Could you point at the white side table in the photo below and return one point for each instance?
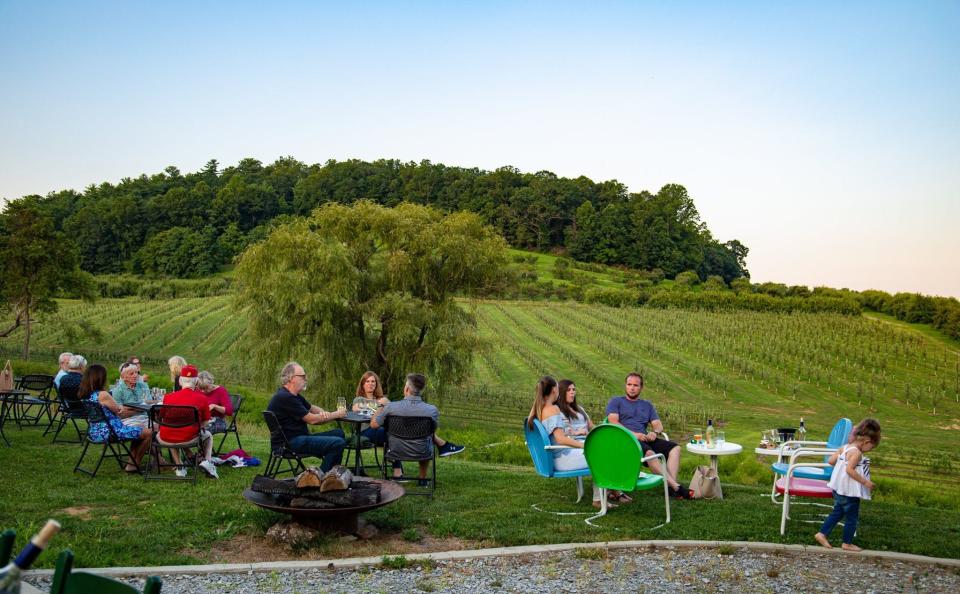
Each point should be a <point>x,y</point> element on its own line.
<point>727,449</point>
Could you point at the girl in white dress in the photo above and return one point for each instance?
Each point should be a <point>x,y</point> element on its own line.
<point>850,482</point>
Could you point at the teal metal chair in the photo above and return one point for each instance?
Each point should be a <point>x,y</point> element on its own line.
<point>616,462</point>
<point>67,581</point>
<point>798,453</point>
<point>541,452</point>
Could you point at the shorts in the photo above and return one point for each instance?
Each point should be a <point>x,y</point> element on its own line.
<point>658,446</point>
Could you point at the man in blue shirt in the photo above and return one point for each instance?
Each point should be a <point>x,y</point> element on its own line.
<point>294,413</point>
<point>641,418</point>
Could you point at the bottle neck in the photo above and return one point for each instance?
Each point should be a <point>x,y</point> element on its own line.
<point>27,556</point>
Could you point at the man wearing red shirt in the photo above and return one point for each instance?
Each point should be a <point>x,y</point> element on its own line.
<point>188,396</point>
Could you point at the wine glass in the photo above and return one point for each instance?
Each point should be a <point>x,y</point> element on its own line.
<point>341,404</point>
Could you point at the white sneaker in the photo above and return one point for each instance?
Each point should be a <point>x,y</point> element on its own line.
<point>181,472</point>
<point>208,467</point>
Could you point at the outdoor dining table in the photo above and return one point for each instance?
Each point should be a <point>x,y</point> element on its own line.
<point>357,420</point>
<point>727,449</point>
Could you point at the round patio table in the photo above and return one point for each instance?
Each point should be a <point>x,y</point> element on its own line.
<point>727,449</point>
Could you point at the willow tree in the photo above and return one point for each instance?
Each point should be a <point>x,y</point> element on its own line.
<point>363,287</point>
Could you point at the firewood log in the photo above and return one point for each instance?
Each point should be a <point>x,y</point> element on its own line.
<point>337,479</point>
<point>262,484</point>
<point>309,478</point>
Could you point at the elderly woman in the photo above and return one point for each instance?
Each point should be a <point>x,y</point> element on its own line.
<point>70,381</point>
<point>176,363</point>
<point>130,390</point>
<point>219,399</point>
<point>92,387</point>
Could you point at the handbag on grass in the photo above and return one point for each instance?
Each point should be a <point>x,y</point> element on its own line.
<point>705,483</point>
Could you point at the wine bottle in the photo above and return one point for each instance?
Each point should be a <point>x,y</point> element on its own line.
<point>802,432</point>
<point>709,436</point>
<point>10,575</point>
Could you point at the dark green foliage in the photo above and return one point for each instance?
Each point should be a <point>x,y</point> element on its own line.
<point>943,313</point>
<point>115,226</point>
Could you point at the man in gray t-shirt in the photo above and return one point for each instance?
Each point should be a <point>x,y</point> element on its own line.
<point>412,405</point>
<point>641,418</point>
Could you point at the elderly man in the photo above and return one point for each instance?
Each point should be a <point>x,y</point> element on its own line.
<point>188,396</point>
<point>640,418</point>
<point>63,361</point>
<point>412,405</point>
<point>130,390</point>
<point>294,414</point>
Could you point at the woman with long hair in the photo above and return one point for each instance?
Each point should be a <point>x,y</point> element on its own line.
<point>93,387</point>
<point>546,410</point>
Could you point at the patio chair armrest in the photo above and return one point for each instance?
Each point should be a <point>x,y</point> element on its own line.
<point>796,442</point>
<point>651,456</point>
<point>794,454</point>
<point>559,447</point>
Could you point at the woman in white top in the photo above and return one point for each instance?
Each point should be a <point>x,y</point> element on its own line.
<point>545,409</point>
<point>850,482</point>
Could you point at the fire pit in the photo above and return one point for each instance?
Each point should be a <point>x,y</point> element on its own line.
<point>343,519</point>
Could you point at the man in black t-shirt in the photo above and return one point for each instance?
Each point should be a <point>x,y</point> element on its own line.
<point>294,413</point>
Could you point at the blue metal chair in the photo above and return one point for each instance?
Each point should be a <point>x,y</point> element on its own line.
<point>794,451</point>
<point>541,451</point>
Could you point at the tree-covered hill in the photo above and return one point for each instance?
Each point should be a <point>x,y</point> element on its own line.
<point>178,224</point>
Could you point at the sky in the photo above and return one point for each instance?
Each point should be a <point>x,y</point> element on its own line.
<point>823,135</point>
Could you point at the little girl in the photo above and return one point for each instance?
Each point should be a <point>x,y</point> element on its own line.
<point>850,482</point>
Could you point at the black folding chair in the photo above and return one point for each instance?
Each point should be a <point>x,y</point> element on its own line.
<point>408,429</point>
<point>175,417</point>
<point>280,450</point>
<point>70,408</point>
<point>237,401</point>
<point>40,387</point>
<point>116,446</point>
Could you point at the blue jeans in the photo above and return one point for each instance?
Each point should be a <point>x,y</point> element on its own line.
<point>377,436</point>
<point>327,445</point>
<point>846,508</point>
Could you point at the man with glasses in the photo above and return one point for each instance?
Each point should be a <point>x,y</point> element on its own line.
<point>294,413</point>
<point>130,390</point>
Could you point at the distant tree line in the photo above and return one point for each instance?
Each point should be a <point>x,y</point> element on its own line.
<point>188,225</point>
<point>943,313</point>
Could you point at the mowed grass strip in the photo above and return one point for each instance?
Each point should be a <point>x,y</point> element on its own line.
<point>120,520</point>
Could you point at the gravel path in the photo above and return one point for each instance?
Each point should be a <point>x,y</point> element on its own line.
<point>595,570</point>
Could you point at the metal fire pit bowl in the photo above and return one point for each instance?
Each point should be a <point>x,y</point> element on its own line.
<point>335,518</point>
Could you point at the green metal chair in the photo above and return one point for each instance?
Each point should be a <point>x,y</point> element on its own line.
<point>6,546</point>
<point>67,581</point>
<point>616,462</point>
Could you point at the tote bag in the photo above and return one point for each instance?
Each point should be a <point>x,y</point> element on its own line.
<point>705,483</point>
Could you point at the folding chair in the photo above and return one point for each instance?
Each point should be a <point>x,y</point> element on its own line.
<point>236,401</point>
<point>280,450</point>
<point>67,581</point>
<point>117,446</point>
<point>541,452</point>
<point>616,459</point>
<point>175,417</point>
<point>406,429</point>
<point>40,386</point>
<point>70,408</point>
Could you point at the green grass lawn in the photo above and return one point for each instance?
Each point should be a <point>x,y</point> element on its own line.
<point>118,520</point>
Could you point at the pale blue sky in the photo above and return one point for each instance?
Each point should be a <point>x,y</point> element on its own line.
<point>824,135</point>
